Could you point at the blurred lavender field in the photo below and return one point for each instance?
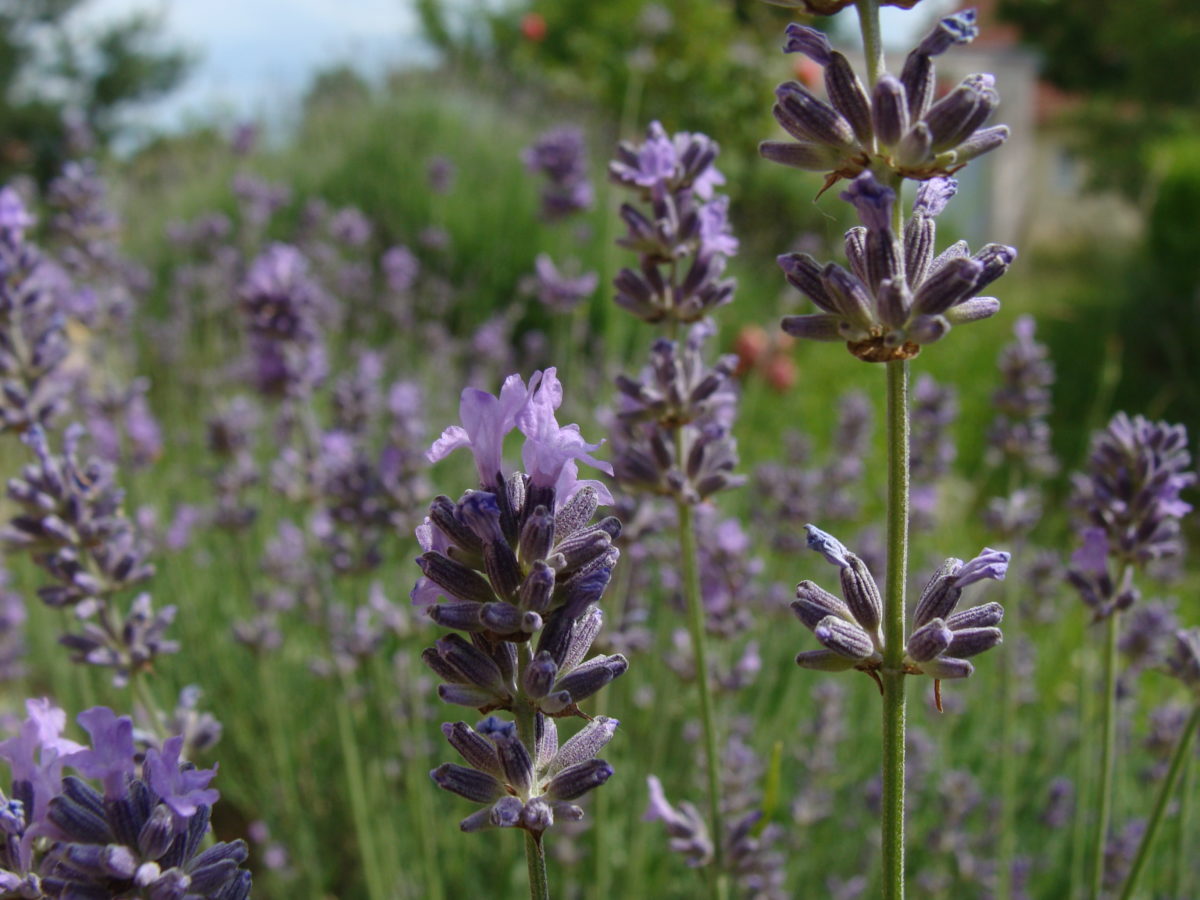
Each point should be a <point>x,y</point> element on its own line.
<point>235,354</point>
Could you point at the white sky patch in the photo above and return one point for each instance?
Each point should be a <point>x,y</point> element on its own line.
<point>254,57</point>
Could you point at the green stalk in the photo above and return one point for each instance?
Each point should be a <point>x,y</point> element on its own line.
<point>868,22</point>
<point>695,609</point>
<point>1183,855</point>
<point>1008,761</point>
<point>1008,729</point>
<point>1108,748</point>
<point>892,823</point>
<point>1082,776</point>
<point>1182,748</point>
<point>352,766</point>
<point>526,718</point>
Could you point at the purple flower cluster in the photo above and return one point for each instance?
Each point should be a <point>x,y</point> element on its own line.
<point>676,176</point>
<point>898,126</point>
<point>1020,434</point>
<point>932,449</point>
<point>283,305</point>
<point>678,391</point>
<point>559,290</point>
<point>142,835</point>
<point>519,568</point>
<point>560,155</point>
<point>899,296</point>
<point>33,342</point>
<point>72,525</point>
<point>1129,499</point>
<point>941,640</point>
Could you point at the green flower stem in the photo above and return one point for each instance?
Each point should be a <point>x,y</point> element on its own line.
<point>1082,775</point>
<point>144,696</point>
<point>695,609</point>
<point>1008,749</point>
<point>1108,748</point>
<point>526,717</point>
<point>353,769</point>
<point>893,631</point>
<point>1183,855</point>
<point>1182,748</point>
<point>868,21</point>
<point>535,858</point>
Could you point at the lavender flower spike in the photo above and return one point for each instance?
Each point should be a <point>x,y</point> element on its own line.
<point>897,296</point>
<point>521,570</point>
<point>896,128</point>
<point>940,640</point>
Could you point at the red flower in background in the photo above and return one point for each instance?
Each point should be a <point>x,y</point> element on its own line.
<point>533,27</point>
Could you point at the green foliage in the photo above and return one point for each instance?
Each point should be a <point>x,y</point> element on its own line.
<point>1135,66</point>
<point>49,66</point>
<point>694,66</point>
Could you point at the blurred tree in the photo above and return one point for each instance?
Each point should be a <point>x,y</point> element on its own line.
<point>60,80</point>
<point>705,66</point>
<point>1135,68</point>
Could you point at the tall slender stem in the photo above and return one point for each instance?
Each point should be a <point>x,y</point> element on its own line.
<point>893,630</point>
<point>695,610</point>
<point>1082,775</point>
<point>1108,746</point>
<point>526,718</point>
<point>868,21</point>
<point>359,809</point>
<point>1009,756</point>
<point>1183,856</point>
<point>1182,747</point>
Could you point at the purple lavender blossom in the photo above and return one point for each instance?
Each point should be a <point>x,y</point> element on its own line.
<point>259,200</point>
<point>144,834</point>
<point>557,290</point>
<point>33,341</point>
<point>1184,661</point>
<point>941,640</point>
<point>932,453</point>
<point>73,528</point>
<point>1020,434</point>
<point>12,630</point>
<point>676,177</point>
<point>897,125</point>
<point>183,789</point>
<point>283,307</point>
<point>440,173</point>
<point>897,296</point>
<point>400,269</point>
<point>1137,470</point>
<point>560,155</point>
<point>519,564</point>
<point>678,391</point>
<point>110,759</point>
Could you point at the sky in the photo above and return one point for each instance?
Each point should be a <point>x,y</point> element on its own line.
<point>254,57</point>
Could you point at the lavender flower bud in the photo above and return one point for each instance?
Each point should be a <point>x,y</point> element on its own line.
<point>973,641</point>
<point>844,638</point>
<point>929,641</point>
<point>575,781</point>
<point>470,783</point>
<point>862,594</point>
<point>589,741</point>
